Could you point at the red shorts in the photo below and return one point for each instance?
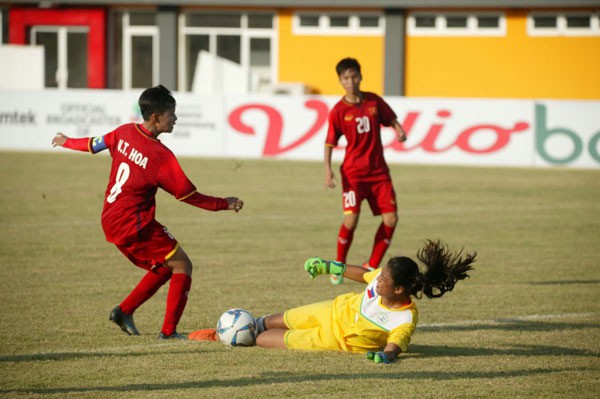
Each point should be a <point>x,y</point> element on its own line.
<point>380,195</point>
<point>152,249</point>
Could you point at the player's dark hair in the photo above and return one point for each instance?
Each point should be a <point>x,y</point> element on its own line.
<point>345,64</point>
<point>443,268</point>
<point>156,100</point>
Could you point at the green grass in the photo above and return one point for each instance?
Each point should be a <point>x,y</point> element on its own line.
<point>526,324</point>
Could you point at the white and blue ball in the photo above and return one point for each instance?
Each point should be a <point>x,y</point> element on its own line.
<point>237,327</point>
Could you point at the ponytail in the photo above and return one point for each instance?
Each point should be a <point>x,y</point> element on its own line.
<point>443,268</point>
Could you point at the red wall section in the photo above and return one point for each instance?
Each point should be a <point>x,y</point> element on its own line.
<point>21,19</point>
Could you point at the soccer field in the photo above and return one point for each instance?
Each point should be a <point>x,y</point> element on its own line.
<point>526,324</point>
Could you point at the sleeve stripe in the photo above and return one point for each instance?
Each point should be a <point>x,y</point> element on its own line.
<point>186,196</point>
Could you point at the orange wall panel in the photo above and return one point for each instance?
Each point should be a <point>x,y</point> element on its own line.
<point>312,59</point>
<point>514,66</point>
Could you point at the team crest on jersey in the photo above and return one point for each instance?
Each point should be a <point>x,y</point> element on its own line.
<point>373,111</point>
<point>348,117</point>
<point>372,310</point>
<point>382,318</point>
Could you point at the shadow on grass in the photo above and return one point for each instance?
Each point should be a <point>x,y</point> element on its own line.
<point>58,356</point>
<point>563,282</point>
<point>512,325</point>
<point>515,350</point>
<point>300,378</point>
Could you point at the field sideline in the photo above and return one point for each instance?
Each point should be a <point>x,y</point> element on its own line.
<point>526,324</point>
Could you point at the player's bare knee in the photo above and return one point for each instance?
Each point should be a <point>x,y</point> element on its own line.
<point>350,221</point>
<point>390,219</point>
<point>180,263</point>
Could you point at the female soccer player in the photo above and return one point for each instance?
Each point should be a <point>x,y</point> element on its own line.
<point>378,321</point>
<point>365,175</point>
<point>140,165</point>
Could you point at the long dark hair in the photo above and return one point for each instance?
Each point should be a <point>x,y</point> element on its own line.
<point>443,268</point>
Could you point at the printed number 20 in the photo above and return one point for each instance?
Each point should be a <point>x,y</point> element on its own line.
<point>349,199</point>
<point>362,124</point>
<point>120,179</point>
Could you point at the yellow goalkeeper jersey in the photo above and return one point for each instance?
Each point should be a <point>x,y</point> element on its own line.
<point>351,322</point>
<point>364,323</point>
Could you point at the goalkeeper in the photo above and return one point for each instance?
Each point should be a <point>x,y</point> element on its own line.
<point>378,321</point>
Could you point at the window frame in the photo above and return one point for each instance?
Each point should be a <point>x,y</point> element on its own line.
<point>441,28</point>
<point>62,67</point>
<point>244,32</point>
<point>561,28</point>
<point>128,33</point>
<point>324,27</point>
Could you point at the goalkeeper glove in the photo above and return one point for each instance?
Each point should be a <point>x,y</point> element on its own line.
<point>378,357</point>
<point>317,266</point>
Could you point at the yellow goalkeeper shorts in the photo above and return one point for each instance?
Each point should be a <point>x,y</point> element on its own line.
<point>311,327</point>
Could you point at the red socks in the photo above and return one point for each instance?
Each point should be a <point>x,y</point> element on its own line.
<point>176,301</point>
<point>147,287</point>
<point>345,237</point>
<point>176,298</point>
<point>383,239</point>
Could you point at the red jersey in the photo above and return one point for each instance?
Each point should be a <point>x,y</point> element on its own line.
<point>361,124</point>
<point>140,165</point>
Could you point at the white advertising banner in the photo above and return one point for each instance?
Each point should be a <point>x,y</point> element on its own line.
<point>287,127</point>
<point>29,119</point>
<point>488,132</point>
<point>567,133</point>
<point>463,132</point>
<point>199,130</point>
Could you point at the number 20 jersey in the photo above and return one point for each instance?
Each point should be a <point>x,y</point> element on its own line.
<point>140,165</point>
<point>361,125</point>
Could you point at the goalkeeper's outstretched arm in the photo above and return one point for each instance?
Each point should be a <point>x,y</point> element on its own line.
<point>318,266</point>
<point>355,273</point>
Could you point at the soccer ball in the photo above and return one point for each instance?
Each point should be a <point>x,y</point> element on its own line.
<point>237,327</point>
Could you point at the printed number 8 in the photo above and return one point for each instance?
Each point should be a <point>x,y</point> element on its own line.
<point>120,179</point>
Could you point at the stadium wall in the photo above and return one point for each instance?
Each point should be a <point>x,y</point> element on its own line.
<point>514,65</point>
<point>444,131</point>
<point>311,59</point>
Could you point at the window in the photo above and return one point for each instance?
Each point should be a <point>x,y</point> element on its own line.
<point>544,22</point>
<point>136,53</point>
<point>424,21</point>
<point>368,22</point>
<point>339,22</point>
<point>226,52</point>
<point>563,24</point>
<point>3,25</point>
<point>456,24</point>
<point>313,23</point>
<point>214,20</point>
<point>63,46</point>
<point>264,21</point>
<point>488,22</point>
<point>578,21</point>
<point>307,21</point>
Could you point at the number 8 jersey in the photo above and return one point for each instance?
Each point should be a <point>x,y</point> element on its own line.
<point>360,124</point>
<point>140,165</point>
